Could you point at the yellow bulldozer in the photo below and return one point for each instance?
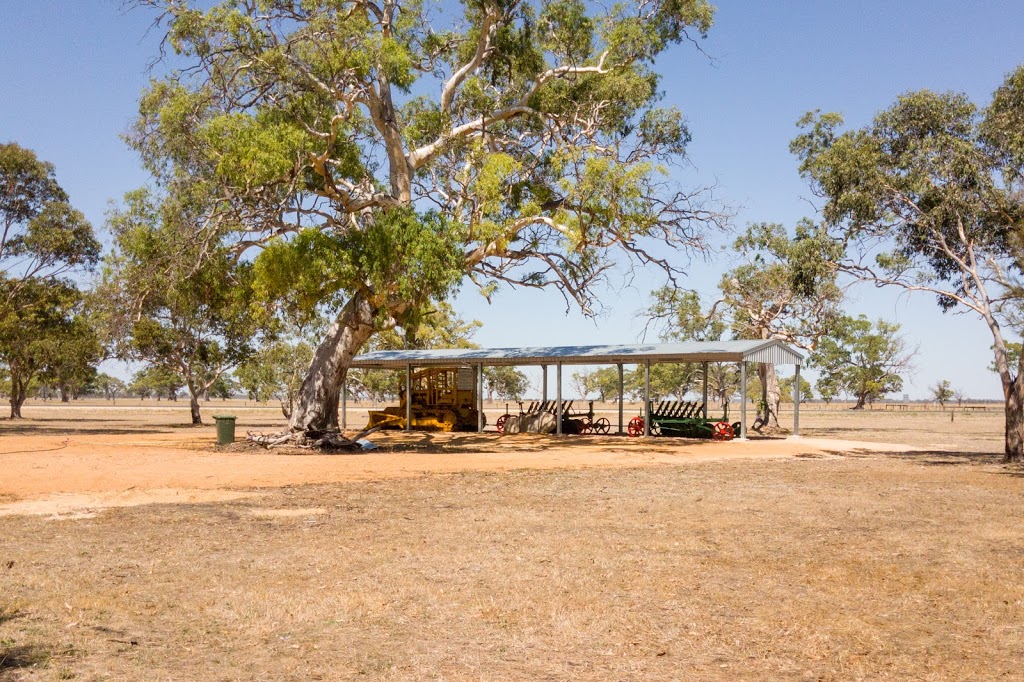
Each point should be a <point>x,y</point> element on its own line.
<point>443,399</point>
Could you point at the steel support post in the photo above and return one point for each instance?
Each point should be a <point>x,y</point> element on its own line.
<point>647,398</point>
<point>621,393</point>
<point>796,404</point>
<point>408,397</point>
<point>480,399</point>
<point>743,401</point>
<point>705,382</point>
<point>558,388</point>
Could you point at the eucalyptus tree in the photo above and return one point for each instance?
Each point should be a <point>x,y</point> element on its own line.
<point>46,339</point>
<point>275,372</point>
<point>43,241</point>
<point>682,317</point>
<point>107,386</point>
<point>787,385</point>
<point>943,392</point>
<point>503,141</point>
<point>155,382</point>
<point>928,198</point>
<point>74,353</point>
<point>160,303</point>
<point>508,383</point>
<point>863,358</point>
<point>785,290</point>
<point>42,237</point>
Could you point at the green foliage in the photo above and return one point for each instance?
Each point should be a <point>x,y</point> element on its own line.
<point>304,116</point>
<point>507,383</point>
<point>668,380</point>
<point>327,129</point>
<point>943,391</point>
<point>806,390</point>
<point>863,359</point>
<point>787,290</point>
<point>41,235</point>
<point>1013,355</point>
<point>397,255</point>
<point>74,354</point>
<point>107,386</point>
<point>180,305</point>
<point>275,372</point>
<point>155,382</point>
<point>44,335</point>
<point>603,382</point>
<point>936,174</point>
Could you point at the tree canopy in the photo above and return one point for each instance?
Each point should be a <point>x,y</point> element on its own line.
<point>194,317</point>
<point>786,289</point>
<point>865,359</point>
<point>380,153</point>
<point>927,198</point>
<point>43,240</point>
<point>41,236</point>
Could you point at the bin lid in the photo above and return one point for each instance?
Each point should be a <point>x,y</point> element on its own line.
<point>224,416</point>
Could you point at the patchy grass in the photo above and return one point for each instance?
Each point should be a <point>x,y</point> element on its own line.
<point>815,568</point>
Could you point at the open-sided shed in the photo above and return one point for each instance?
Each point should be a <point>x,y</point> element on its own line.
<point>703,352</point>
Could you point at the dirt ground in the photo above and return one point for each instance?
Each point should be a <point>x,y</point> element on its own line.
<point>881,545</point>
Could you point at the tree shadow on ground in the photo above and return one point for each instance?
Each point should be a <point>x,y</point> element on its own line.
<point>490,442</point>
<point>15,658</point>
<point>933,457</point>
<point>60,427</point>
<point>6,614</point>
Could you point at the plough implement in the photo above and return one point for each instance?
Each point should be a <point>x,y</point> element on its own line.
<point>572,421</point>
<point>682,419</point>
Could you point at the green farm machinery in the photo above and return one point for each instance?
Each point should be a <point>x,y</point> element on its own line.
<point>682,419</point>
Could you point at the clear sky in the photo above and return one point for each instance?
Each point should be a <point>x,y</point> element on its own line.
<point>71,73</point>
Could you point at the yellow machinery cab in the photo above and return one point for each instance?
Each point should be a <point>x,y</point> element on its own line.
<point>443,399</point>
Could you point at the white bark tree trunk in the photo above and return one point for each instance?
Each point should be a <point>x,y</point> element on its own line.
<point>771,396</point>
<point>315,410</point>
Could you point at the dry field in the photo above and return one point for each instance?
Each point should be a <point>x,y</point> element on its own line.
<point>482,558</point>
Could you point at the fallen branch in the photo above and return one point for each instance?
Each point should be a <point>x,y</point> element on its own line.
<point>332,440</point>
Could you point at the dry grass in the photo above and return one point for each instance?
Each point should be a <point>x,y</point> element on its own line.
<point>816,568</point>
<point>903,566</point>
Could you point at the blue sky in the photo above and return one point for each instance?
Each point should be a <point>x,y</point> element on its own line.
<point>71,73</point>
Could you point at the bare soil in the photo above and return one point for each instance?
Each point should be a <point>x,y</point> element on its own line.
<point>880,546</point>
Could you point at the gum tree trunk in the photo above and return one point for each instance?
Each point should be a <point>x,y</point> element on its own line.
<point>315,411</point>
<point>1013,394</point>
<point>19,392</point>
<point>771,396</point>
<point>193,394</point>
<point>1015,421</point>
<point>17,400</point>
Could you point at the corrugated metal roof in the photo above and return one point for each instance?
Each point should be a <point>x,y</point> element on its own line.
<point>774,352</point>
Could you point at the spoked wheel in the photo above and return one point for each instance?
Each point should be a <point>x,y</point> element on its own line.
<point>722,431</point>
<point>500,424</point>
<point>635,427</point>
<point>602,425</point>
<point>586,426</point>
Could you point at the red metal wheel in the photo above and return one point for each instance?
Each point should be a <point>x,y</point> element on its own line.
<point>601,425</point>
<point>722,431</point>
<point>586,426</point>
<point>635,427</point>
<point>500,424</point>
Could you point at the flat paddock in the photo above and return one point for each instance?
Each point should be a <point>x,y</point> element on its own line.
<point>132,549</point>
